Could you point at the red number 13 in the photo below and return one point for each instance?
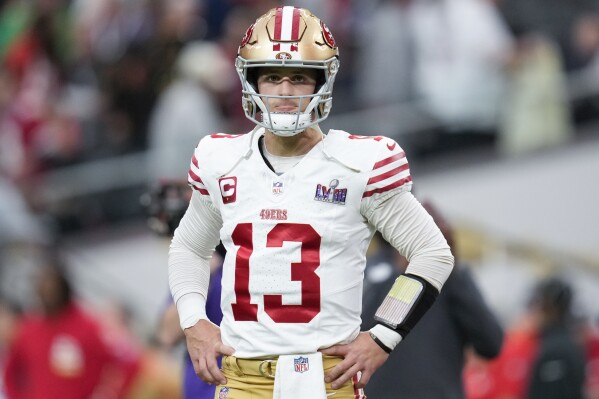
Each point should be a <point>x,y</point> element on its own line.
<point>303,271</point>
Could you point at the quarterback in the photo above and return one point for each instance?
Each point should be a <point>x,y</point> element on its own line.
<point>296,209</point>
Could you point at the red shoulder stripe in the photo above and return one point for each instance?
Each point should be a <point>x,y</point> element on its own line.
<point>388,174</point>
<point>195,177</point>
<point>398,183</point>
<point>387,161</point>
<point>201,190</point>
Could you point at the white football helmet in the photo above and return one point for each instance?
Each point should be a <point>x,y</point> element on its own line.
<point>295,38</point>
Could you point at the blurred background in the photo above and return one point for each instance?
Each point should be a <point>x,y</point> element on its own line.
<point>496,103</point>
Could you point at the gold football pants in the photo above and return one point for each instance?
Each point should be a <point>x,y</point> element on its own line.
<point>254,379</point>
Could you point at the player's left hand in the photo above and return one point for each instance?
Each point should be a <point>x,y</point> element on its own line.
<point>363,354</point>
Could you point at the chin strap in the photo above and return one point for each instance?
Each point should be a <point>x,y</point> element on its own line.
<point>287,125</point>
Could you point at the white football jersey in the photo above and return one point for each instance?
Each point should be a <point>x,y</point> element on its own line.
<point>296,243</point>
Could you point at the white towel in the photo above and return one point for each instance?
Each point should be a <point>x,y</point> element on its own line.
<point>300,377</point>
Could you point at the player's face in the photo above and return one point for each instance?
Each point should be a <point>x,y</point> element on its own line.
<point>287,82</point>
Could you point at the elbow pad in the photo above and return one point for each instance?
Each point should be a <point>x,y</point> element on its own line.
<point>408,300</point>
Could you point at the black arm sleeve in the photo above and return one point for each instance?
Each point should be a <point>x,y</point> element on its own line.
<point>421,305</point>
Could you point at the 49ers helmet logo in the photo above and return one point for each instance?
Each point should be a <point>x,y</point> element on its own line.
<point>328,36</point>
<point>283,56</point>
<point>248,35</point>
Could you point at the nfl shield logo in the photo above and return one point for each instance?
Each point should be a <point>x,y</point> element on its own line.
<point>301,364</point>
<point>223,393</point>
<point>277,187</point>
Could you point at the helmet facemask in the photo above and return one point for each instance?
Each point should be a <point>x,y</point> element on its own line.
<point>256,106</point>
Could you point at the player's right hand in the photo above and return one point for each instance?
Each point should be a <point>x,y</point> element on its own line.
<point>204,346</point>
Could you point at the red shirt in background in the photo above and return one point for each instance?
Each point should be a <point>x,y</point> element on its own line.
<point>507,376</point>
<point>64,357</point>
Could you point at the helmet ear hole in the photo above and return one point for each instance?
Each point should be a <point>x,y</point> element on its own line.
<point>252,77</point>
<point>320,80</point>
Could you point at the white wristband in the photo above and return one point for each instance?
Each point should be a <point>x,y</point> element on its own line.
<point>191,308</point>
<point>386,335</point>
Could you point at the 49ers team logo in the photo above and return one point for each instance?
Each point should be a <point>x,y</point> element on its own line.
<point>283,56</point>
<point>248,35</point>
<point>328,36</point>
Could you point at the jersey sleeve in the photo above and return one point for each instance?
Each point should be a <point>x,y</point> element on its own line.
<point>389,175</point>
<point>197,170</point>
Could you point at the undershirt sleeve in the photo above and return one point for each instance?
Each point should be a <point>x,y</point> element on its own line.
<point>189,257</point>
<point>408,227</point>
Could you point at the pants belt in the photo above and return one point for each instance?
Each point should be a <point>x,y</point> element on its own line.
<point>266,367</point>
<point>257,367</point>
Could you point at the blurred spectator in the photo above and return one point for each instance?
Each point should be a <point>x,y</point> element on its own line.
<point>553,19</point>
<point>11,148</point>
<point>61,352</point>
<point>33,62</point>
<point>481,379</point>
<point>155,376</point>
<point>9,316</point>
<point>461,49</point>
<point>180,22</point>
<point>33,28</point>
<point>536,113</point>
<point>559,368</point>
<point>19,228</point>
<point>234,27</point>
<point>106,28</point>
<point>188,109</point>
<point>584,82</point>
<point>385,61</point>
<point>428,365</point>
<point>14,18</point>
<point>131,94</point>
<point>557,37</point>
<point>585,40</point>
<point>543,356</point>
<point>133,83</point>
<point>17,223</point>
<point>591,335</point>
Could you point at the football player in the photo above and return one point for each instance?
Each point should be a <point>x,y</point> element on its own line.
<point>296,209</point>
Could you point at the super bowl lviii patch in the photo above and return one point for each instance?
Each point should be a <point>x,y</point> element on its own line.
<point>333,194</point>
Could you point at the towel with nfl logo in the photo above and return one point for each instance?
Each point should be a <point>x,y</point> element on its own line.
<point>300,377</point>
